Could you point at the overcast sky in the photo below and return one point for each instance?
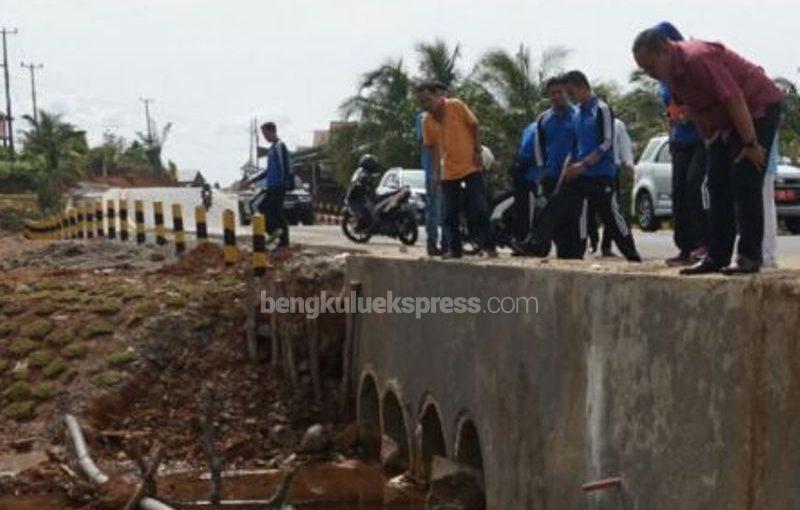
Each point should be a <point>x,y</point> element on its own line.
<point>212,65</point>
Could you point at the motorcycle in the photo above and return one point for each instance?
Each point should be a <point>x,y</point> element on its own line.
<point>366,214</point>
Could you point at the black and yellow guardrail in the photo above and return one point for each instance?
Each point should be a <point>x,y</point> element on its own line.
<point>201,223</point>
<point>158,218</point>
<point>123,220</point>
<point>98,216</point>
<point>177,229</point>
<point>111,213</point>
<point>138,216</point>
<point>86,220</point>
<point>229,236</point>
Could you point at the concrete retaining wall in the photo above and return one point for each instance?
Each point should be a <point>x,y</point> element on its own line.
<point>687,389</point>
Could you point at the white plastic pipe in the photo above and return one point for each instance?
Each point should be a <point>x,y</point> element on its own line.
<point>84,460</point>
<point>153,504</point>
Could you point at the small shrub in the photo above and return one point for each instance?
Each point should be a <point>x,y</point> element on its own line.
<point>22,346</point>
<point>60,337</point>
<point>46,309</point>
<point>54,369</point>
<point>6,327</point>
<point>97,327</point>
<point>108,378</point>
<point>19,411</point>
<point>18,391</point>
<point>108,307</point>
<point>39,359</point>
<point>44,390</point>
<point>75,350</point>
<point>37,328</point>
<point>120,358</point>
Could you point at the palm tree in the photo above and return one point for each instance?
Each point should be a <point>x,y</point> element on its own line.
<point>60,148</point>
<point>438,63</point>
<point>153,144</point>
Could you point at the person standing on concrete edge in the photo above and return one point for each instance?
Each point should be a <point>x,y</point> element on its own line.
<point>525,176</point>
<point>623,162</point>
<point>770,244</point>
<point>689,164</point>
<point>592,173</point>
<point>451,132</point>
<point>433,190</point>
<point>737,109</point>
<point>276,180</point>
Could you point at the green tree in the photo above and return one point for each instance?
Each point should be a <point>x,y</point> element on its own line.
<point>438,62</point>
<point>60,148</point>
<point>790,127</point>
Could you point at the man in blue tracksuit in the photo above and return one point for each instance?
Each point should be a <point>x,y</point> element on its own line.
<point>275,179</point>
<point>590,177</point>
<point>562,221</point>
<point>525,182</point>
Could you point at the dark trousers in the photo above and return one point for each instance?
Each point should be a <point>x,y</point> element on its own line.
<point>272,209</point>
<point>736,191</point>
<point>466,195</point>
<point>689,163</point>
<point>563,221</point>
<point>524,194</point>
<point>592,227</point>
<point>570,209</point>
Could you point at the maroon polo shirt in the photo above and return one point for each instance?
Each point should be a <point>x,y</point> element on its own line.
<point>704,75</point>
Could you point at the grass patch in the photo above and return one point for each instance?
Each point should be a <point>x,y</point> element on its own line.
<point>54,368</point>
<point>20,411</point>
<point>37,328</point>
<point>40,359</point>
<point>14,308</point>
<point>18,391</point>
<point>108,378</point>
<point>97,327</point>
<point>22,347</point>
<point>120,358</point>
<point>108,307</point>
<point>44,390</point>
<point>60,337</point>
<point>46,308</point>
<point>75,350</point>
<point>7,327</point>
<point>67,296</point>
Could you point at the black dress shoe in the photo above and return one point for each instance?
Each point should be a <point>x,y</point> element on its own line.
<point>743,265</point>
<point>705,266</point>
<point>434,251</point>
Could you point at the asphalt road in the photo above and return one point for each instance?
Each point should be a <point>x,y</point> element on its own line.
<point>652,245</point>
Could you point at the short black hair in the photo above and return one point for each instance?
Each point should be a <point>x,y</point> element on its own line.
<point>576,77</point>
<point>555,81</point>
<point>649,40</point>
<point>432,86</point>
<point>269,126</point>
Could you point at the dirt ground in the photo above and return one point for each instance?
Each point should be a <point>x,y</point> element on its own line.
<point>148,349</point>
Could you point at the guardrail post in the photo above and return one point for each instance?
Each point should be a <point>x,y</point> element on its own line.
<point>201,223</point>
<point>229,234</point>
<point>98,216</point>
<point>81,221</point>
<point>73,223</point>
<point>259,245</point>
<point>177,227</point>
<point>90,226</point>
<point>112,219</point>
<point>123,219</point>
<point>158,215</point>
<point>138,213</point>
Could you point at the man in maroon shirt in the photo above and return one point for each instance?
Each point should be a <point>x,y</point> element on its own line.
<point>737,109</point>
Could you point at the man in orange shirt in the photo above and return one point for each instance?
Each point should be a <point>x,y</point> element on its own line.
<point>451,133</point>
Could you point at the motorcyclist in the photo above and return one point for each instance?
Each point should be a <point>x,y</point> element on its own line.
<point>362,196</point>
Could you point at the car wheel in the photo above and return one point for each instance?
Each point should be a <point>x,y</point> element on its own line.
<point>792,225</point>
<point>646,212</point>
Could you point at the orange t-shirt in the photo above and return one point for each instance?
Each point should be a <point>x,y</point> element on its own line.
<point>453,138</point>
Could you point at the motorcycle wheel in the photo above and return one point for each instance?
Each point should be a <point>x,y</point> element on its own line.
<point>349,224</point>
<point>407,230</point>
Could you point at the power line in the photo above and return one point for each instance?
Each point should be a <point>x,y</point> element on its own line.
<point>32,68</point>
<point>9,115</point>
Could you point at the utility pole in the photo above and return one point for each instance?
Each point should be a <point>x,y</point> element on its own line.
<point>32,68</point>
<point>9,116</point>
<point>147,102</point>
